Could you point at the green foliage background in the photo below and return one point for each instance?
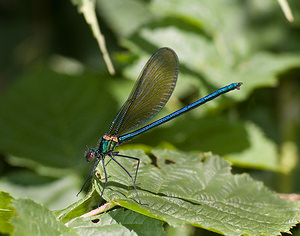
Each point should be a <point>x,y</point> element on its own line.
<point>57,98</point>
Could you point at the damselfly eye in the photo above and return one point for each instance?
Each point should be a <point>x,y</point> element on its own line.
<point>90,155</point>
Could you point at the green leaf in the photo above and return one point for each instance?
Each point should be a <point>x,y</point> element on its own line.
<point>212,40</point>
<point>53,117</point>
<point>6,213</point>
<point>199,190</point>
<point>261,152</point>
<point>130,10</point>
<point>34,219</point>
<point>53,194</point>
<point>182,230</point>
<point>202,57</point>
<point>220,20</point>
<point>117,222</point>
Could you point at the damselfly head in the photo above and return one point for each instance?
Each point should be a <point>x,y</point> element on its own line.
<point>90,154</point>
<point>239,85</point>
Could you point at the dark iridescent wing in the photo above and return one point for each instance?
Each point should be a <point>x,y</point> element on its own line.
<point>149,94</point>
